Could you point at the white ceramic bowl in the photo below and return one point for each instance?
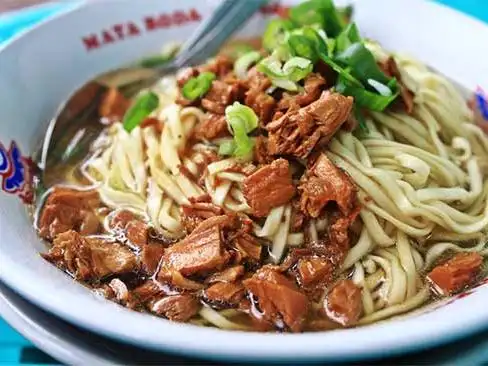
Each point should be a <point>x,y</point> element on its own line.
<point>39,69</point>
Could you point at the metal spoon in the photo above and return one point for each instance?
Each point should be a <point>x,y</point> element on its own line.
<point>71,132</point>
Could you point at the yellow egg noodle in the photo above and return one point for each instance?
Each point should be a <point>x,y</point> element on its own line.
<point>422,181</point>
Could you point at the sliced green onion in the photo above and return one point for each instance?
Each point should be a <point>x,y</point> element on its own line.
<point>362,63</point>
<point>382,89</point>
<point>275,33</point>
<point>286,76</point>
<point>302,46</point>
<point>281,53</point>
<point>318,12</point>
<point>317,39</point>
<point>297,68</point>
<point>144,105</point>
<point>271,67</point>
<point>307,13</point>
<point>244,62</point>
<point>242,115</point>
<point>342,71</point>
<point>364,98</point>
<point>198,86</point>
<point>244,144</point>
<point>241,120</point>
<point>285,84</point>
<point>227,148</point>
<point>347,37</point>
<point>361,120</point>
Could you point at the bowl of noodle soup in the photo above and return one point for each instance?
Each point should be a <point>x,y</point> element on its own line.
<point>269,204</point>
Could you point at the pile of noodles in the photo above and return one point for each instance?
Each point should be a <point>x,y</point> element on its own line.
<point>421,179</point>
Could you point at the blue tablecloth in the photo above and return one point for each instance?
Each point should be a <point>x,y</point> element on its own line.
<point>14,349</point>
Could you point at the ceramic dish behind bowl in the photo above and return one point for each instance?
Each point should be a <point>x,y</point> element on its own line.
<point>41,68</point>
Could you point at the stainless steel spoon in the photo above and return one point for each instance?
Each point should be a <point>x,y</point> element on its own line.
<point>71,132</point>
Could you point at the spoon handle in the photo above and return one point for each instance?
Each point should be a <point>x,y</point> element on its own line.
<point>208,24</point>
<point>227,18</point>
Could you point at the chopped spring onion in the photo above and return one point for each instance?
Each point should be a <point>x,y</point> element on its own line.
<point>275,33</point>
<point>242,115</point>
<point>361,120</point>
<point>302,46</point>
<point>317,38</point>
<point>286,76</point>
<point>347,37</point>
<point>241,120</point>
<point>297,68</point>
<point>382,89</point>
<point>244,62</point>
<point>227,148</point>
<point>281,53</point>
<point>362,63</point>
<point>324,50</point>
<point>307,13</point>
<point>198,86</point>
<point>144,105</point>
<point>271,67</point>
<point>364,98</point>
<point>285,84</point>
<point>318,12</point>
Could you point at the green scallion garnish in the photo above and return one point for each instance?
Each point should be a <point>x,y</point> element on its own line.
<point>198,86</point>
<point>143,106</point>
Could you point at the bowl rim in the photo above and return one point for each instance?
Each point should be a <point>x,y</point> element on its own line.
<point>400,335</point>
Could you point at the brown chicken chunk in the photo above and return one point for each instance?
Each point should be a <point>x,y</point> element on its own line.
<point>220,96</point>
<point>312,89</point>
<point>127,223</point>
<point>224,294</point>
<point>214,126</point>
<point>343,304</point>
<point>200,252</point>
<point>262,103</point>
<point>89,258</point>
<point>69,209</point>
<point>278,298</point>
<point>231,274</point>
<point>220,66</point>
<point>298,131</point>
<point>456,273</point>
<point>270,186</point>
<point>197,212</point>
<point>261,153</point>
<point>315,269</point>
<point>151,255</point>
<point>120,290</point>
<point>315,266</point>
<point>146,292</point>
<point>323,183</point>
<point>178,307</point>
<point>249,247</point>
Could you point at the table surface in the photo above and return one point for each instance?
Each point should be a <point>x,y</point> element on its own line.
<point>14,349</point>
